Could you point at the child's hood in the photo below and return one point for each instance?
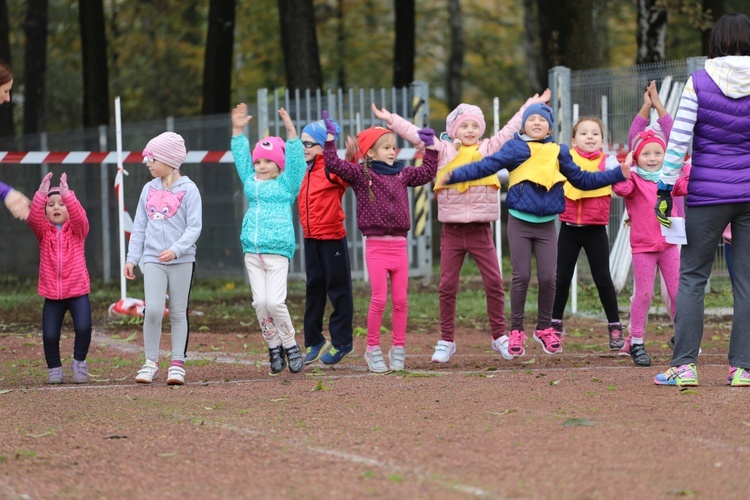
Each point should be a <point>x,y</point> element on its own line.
<point>178,185</point>
<point>731,74</point>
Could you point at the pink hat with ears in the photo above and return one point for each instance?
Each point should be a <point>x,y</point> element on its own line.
<point>271,148</point>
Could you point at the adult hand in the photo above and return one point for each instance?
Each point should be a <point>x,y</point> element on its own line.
<point>18,204</point>
<point>44,186</point>
<point>663,207</point>
<point>427,135</point>
<point>330,126</point>
<point>64,189</point>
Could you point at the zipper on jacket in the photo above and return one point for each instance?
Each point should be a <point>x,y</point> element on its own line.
<point>59,261</point>
<point>307,200</point>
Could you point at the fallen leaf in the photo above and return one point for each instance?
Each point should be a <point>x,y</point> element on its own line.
<point>572,422</point>
<point>529,362</point>
<point>321,386</point>
<point>277,400</point>
<point>43,434</point>
<point>6,391</point>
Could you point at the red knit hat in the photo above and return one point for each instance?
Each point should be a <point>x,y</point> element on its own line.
<point>647,137</point>
<point>368,137</point>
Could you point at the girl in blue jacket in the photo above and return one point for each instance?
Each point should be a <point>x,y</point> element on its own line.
<point>271,178</point>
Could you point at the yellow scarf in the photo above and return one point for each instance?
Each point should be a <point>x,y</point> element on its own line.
<point>542,166</point>
<point>572,192</point>
<point>466,155</point>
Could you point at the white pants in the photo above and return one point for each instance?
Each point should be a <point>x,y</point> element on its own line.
<point>268,275</point>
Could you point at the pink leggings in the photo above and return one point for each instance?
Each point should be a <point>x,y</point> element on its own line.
<point>644,273</point>
<point>386,256</point>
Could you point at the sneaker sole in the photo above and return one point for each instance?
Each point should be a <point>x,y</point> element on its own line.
<point>144,381</point>
<point>446,359</point>
<point>173,381</point>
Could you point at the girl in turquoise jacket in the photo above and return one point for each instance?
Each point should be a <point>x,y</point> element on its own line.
<point>271,180</point>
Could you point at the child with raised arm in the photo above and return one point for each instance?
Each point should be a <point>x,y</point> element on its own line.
<point>271,178</point>
<point>167,224</point>
<point>649,248</point>
<point>327,266</point>
<point>583,225</point>
<point>384,218</point>
<point>466,211</point>
<point>538,169</point>
<point>60,225</point>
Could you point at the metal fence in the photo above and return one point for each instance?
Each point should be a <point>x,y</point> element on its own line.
<point>224,204</point>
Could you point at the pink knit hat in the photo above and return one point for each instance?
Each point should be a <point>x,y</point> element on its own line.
<point>168,148</point>
<point>462,113</point>
<point>270,148</point>
<point>647,137</point>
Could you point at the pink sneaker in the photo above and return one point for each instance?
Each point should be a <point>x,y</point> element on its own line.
<point>551,343</point>
<point>515,344</point>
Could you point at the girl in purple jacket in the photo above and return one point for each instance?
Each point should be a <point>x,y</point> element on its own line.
<point>384,218</point>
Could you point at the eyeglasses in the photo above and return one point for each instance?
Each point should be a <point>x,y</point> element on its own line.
<point>309,144</point>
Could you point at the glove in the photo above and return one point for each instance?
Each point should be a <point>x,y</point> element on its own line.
<point>663,206</point>
<point>44,186</point>
<point>64,190</point>
<point>330,126</point>
<point>427,135</point>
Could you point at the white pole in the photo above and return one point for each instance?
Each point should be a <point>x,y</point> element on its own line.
<point>120,195</point>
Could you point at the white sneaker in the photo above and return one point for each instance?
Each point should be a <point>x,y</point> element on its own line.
<point>148,372</point>
<point>396,357</point>
<point>500,344</point>
<point>175,375</point>
<point>443,351</point>
<point>375,361</point>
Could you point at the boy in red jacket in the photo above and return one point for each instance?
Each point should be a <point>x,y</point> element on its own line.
<point>60,225</point>
<point>326,253</point>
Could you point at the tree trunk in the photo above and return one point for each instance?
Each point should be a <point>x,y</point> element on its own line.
<point>35,29</point>
<point>340,45</point>
<point>456,54</point>
<point>217,64</point>
<point>572,34</point>
<point>404,46</point>
<point>95,73</point>
<point>651,31</point>
<point>299,44</point>
<point>717,10</point>
<point>7,128</point>
<point>531,35</point>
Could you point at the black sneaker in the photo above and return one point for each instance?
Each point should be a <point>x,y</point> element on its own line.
<point>276,358</point>
<point>639,355</point>
<point>296,363</point>
<point>670,343</point>
<point>616,341</point>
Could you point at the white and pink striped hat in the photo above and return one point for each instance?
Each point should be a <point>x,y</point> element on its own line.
<point>168,148</point>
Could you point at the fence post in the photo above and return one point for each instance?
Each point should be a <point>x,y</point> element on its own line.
<point>422,194</point>
<point>559,84</point>
<point>262,113</point>
<point>104,197</point>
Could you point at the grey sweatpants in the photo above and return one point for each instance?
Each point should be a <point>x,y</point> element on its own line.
<point>158,279</point>
<point>703,227</point>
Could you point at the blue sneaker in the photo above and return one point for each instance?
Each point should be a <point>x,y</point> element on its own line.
<point>314,352</point>
<point>336,354</point>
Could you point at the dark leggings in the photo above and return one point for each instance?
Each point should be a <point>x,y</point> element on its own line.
<point>594,240</point>
<point>52,319</point>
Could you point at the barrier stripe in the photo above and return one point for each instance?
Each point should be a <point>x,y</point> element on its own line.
<point>110,157</point>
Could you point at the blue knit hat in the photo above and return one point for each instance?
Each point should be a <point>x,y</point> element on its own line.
<point>539,109</point>
<point>317,130</point>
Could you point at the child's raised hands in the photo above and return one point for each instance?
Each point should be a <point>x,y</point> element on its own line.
<point>541,99</point>
<point>427,136</point>
<point>330,126</point>
<point>291,130</point>
<point>44,186</point>
<point>383,114</point>
<point>64,189</point>
<point>240,118</point>
<point>653,94</point>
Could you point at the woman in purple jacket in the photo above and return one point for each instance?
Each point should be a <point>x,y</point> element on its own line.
<point>714,113</point>
<point>17,203</point>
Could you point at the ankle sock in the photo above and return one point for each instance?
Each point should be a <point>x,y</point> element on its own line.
<point>178,362</point>
<point>371,348</point>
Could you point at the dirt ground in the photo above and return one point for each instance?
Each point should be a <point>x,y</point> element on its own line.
<point>582,424</point>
